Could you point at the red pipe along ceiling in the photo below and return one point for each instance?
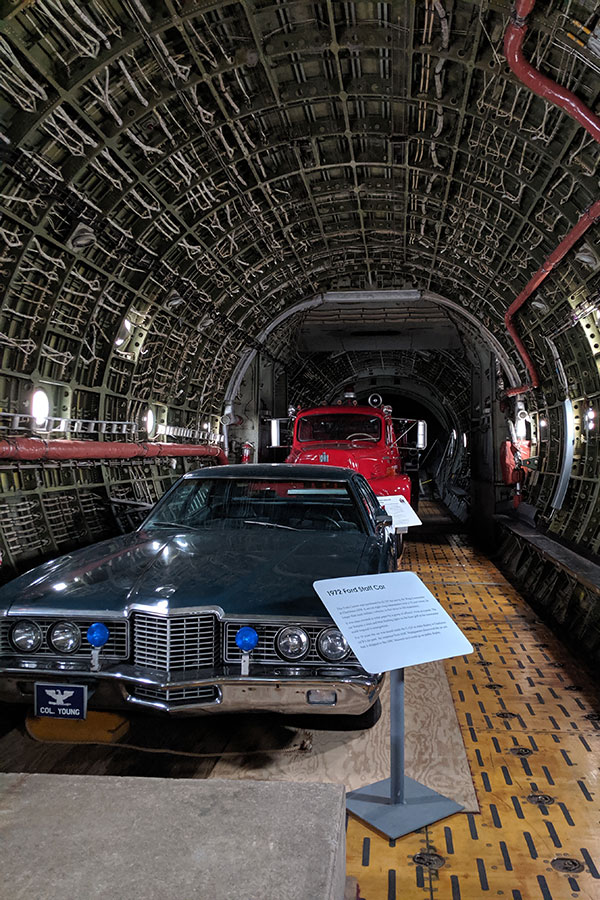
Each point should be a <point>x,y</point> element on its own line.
<point>36,449</point>
<point>560,96</point>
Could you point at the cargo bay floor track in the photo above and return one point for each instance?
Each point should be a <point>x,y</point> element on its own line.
<point>529,718</point>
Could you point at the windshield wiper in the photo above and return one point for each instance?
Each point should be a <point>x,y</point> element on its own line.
<point>180,525</point>
<point>269,524</point>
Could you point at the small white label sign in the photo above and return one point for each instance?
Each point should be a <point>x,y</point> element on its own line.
<point>391,620</point>
<point>402,513</point>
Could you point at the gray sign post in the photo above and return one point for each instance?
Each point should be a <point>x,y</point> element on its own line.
<point>398,804</point>
<point>388,619</point>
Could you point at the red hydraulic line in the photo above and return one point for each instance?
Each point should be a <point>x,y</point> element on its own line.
<point>591,215</point>
<point>538,83</point>
<point>34,449</point>
<point>554,93</point>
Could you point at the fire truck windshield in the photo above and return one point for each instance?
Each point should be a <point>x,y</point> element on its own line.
<point>339,427</point>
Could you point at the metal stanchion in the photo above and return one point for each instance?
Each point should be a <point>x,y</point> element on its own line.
<point>398,804</point>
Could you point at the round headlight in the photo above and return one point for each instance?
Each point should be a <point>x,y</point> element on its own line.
<point>332,644</point>
<point>292,643</point>
<point>26,636</point>
<point>65,637</point>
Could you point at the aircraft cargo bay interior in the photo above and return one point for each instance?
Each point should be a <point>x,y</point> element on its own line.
<point>294,292</point>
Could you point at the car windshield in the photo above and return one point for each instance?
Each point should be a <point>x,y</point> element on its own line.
<point>202,503</point>
<point>339,427</point>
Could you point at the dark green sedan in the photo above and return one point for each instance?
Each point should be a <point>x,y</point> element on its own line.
<point>207,607</point>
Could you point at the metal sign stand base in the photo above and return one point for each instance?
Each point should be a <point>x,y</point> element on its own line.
<point>399,805</point>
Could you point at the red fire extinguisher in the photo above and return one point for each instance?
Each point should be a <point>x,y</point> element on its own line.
<point>247,449</point>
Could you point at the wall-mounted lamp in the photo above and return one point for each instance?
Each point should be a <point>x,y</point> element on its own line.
<point>587,255</point>
<point>40,406</point>
<point>83,236</point>
<point>123,333</point>
<point>150,421</point>
<point>174,300</point>
<point>205,322</point>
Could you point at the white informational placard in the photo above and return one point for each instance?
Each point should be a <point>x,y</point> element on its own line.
<point>391,620</point>
<point>402,513</point>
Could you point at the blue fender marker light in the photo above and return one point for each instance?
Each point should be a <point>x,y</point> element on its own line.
<point>246,639</point>
<point>97,634</point>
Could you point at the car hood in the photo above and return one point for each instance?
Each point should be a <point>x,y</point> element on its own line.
<point>264,571</point>
<point>362,456</point>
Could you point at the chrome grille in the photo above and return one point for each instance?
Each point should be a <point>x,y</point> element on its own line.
<point>265,651</point>
<point>117,646</point>
<point>204,694</point>
<point>175,642</point>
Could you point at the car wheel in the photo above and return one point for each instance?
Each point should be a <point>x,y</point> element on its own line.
<point>11,716</point>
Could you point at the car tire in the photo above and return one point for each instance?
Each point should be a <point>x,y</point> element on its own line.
<point>12,715</point>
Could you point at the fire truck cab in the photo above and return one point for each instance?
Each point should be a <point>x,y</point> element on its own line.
<point>355,437</point>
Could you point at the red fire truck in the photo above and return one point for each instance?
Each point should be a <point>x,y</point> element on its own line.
<point>355,437</point>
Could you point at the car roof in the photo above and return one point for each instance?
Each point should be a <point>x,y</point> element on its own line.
<point>285,471</point>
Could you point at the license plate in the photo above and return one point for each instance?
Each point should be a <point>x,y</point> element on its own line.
<point>61,701</point>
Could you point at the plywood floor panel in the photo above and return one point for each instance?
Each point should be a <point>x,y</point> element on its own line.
<point>435,752</point>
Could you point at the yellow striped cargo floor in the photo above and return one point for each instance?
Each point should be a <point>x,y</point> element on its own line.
<point>529,717</point>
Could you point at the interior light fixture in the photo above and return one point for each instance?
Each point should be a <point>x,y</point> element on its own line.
<point>174,300</point>
<point>521,428</point>
<point>82,236</point>
<point>40,406</point>
<point>587,256</point>
<point>149,419</point>
<point>204,322</point>
<point>123,333</point>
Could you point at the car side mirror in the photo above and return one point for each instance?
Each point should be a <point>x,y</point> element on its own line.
<point>383,519</point>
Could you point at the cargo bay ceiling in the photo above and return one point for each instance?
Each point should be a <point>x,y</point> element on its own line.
<point>187,184</point>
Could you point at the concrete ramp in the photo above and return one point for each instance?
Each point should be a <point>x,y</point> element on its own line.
<point>87,837</point>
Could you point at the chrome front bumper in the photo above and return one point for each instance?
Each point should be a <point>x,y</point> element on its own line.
<point>266,689</point>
